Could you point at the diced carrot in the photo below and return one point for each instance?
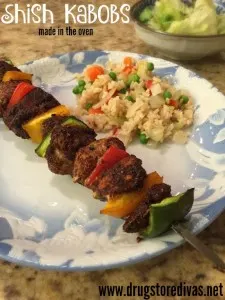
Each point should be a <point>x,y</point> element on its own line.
<point>127,70</point>
<point>94,71</point>
<point>95,111</point>
<point>128,61</point>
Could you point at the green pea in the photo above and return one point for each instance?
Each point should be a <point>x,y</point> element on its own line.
<point>113,76</point>
<point>167,95</point>
<point>81,83</point>
<point>88,106</point>
<point>143,138</point>
<point>78,90</point>
<point>184,99</point>
<point>133,78</point>
<point>123,91</point>
<point>130,98</point>
<point>151,66</point>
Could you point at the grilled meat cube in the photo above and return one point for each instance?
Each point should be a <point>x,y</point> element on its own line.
<point>139,219</point>
<point>158,192</point>
<point>4,67</point>
<point>57,162</point>
<point>32,105</point>
<point>87,157</point>
<point>6,91</point>
<point>65,141</point>
<point>125,176</point>
<point>69,139</point>
<point>49,124</point>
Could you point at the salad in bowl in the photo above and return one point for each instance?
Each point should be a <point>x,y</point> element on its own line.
<point>181,29</point>
<point>184,17</point>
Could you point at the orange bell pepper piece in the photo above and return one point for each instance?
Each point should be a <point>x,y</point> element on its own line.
<point>16,75</point>
<point>34,126</point>
<point>122,205</point>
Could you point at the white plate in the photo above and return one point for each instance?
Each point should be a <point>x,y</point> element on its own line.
<point>47,221</point>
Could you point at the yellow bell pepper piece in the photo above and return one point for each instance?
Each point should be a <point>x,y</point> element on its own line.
<point>122,205</point>
<point>16,75</point>
<point>34,126</point>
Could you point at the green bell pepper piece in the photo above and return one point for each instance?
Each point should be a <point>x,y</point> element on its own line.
<point>168,211</point>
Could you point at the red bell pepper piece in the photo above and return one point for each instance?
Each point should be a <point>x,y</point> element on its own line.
<point>173,103</point>
<point>148,84</point>
<point>108,160</point>
<point>20,91</point>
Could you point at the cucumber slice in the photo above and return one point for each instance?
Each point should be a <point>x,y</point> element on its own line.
<point>73,121</point>
<point>42,148</point>
<point>69,121</point>
<point>168,211</point>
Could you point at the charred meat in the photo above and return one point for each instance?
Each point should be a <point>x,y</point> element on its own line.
<point>69,139</point>
<point>4,67</point>
<point>49,124</point>
<point>6,91</point>
<point>32,105</point>
<point>139,219</point>
<point>87,157</point>
<point>125,176</point>
<point>65,141</point>
<point>158,192</point>
<point>57,162</point>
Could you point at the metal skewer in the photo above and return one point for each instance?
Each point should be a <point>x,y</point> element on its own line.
<point>197,244</point>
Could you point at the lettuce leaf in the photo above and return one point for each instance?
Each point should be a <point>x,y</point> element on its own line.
<point>202,21</point>
<point>221,24</point>
<point>165,12</point>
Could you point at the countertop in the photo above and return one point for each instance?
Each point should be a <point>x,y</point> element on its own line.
<point>22,43</point>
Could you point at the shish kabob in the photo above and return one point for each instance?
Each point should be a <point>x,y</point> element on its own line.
<point>70,148</point>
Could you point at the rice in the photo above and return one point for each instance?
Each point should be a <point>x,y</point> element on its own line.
<point>132,101</point>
